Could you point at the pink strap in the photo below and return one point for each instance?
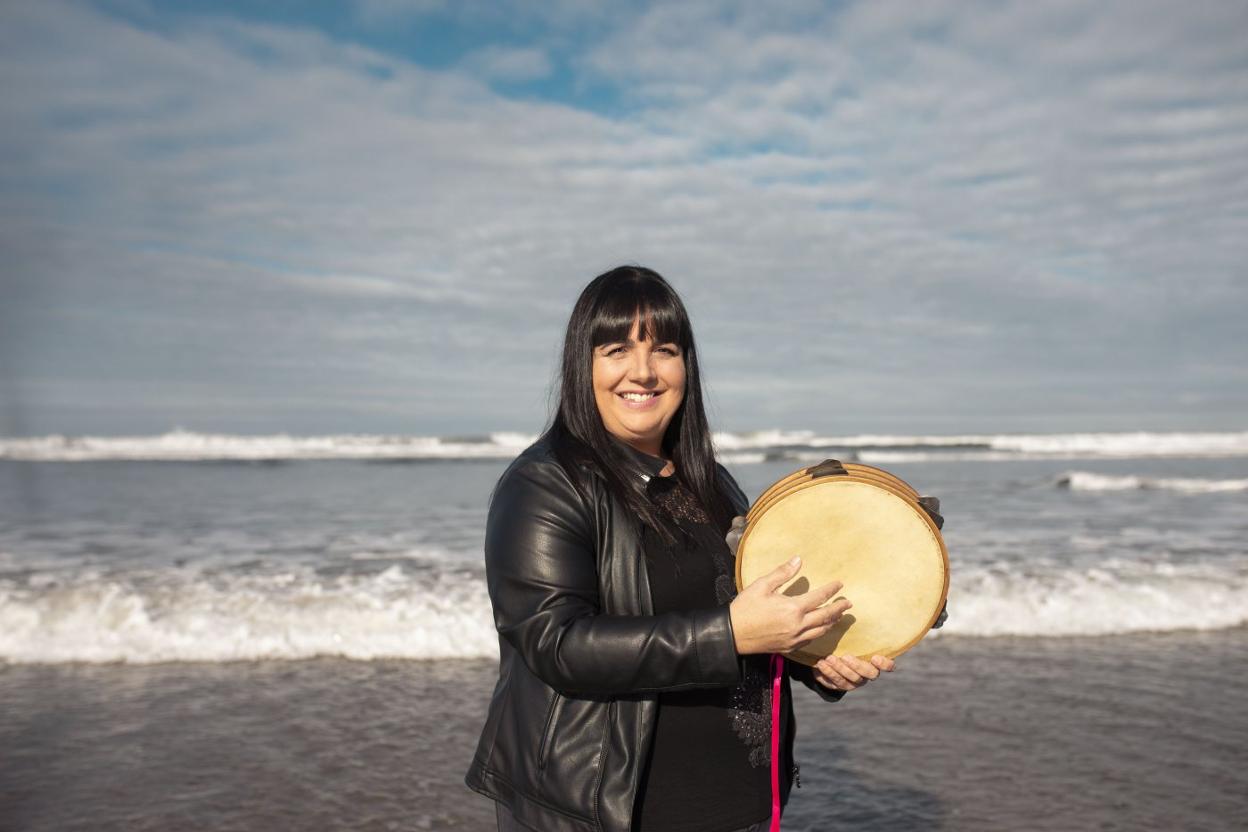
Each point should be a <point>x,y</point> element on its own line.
<point>777,673</point>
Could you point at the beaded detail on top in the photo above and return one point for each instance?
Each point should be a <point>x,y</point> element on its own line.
<point>751,714</point>
<point>750,699</point>
<point>674,500</point>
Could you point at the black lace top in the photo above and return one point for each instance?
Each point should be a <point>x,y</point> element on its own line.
<point>709,763</point>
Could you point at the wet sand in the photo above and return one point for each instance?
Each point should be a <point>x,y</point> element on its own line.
<point>1124,732</point>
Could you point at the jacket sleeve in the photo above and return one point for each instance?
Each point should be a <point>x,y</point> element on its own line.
<point>541,570</point>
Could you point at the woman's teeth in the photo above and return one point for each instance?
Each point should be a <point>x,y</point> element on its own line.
<point>639,397</point>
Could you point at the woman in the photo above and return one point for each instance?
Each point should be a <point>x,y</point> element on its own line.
<point>633,690</point>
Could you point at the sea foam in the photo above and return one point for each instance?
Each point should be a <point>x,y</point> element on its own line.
<point>1114,597</point>
<point>419,612</point>
<point>288,615</point>
<point>1090,481</point>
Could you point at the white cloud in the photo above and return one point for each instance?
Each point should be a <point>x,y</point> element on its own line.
<point>917,190</point>
<point>507,64</point>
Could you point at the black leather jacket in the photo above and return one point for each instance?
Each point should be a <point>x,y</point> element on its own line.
<point>582,656</point>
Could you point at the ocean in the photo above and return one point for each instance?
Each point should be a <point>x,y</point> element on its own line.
<point>222,632</point>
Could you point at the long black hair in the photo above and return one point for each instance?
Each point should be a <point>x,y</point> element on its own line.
<point>603,314</point>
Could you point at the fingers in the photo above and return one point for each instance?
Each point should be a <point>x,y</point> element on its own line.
<point>842,675</point>
<point>783,573</point>
<point>777,577</point>
<point>855,669</point>
<point>850,672</point>
<point>830,678</point>
<point>816,598</point>
<point>818,621</point>
<point>818,616</point>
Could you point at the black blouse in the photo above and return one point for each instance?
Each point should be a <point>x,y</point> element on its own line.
<point>709,764</point>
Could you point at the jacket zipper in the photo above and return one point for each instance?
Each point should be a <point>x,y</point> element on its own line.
<point>549,731</point>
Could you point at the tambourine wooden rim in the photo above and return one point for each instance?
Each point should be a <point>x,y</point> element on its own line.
<point>857,469</point>
<point>775,496</point>
<point>896,506</point>
<point>850,467</point>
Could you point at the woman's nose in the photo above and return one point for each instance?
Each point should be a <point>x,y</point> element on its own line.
<point>641,369</point>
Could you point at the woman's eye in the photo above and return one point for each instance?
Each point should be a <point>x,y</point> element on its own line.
<point>669,350</point>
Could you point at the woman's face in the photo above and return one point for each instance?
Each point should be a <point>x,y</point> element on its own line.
<point>639,386</point>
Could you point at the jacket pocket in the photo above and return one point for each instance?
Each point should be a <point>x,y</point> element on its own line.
<point>548,732</point>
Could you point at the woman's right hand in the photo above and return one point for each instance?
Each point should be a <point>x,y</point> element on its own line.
<point>765,620</point>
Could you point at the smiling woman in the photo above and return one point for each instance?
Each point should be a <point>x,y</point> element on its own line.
<point>634,691</point>
<point>639,386</point>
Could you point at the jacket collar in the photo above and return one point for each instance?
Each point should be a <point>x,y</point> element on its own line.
<point>651,465</point>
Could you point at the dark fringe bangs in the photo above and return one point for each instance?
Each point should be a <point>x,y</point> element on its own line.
<point>661,318</point>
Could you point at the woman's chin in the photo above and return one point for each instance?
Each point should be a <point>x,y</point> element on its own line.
<point>637,430</point>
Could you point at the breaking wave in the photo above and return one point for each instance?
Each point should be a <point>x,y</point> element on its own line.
<point>1089,481</point>
<point>1114,597</point>
<point>741,448</point>
<point>423,611</point>
<point>395,613</point>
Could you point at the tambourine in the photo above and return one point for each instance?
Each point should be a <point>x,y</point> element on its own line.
<point>864,527</point>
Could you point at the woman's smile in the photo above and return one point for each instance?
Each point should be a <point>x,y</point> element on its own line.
<point>640,401</point>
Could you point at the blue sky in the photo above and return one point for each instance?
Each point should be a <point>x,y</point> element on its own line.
<point>375,216</point>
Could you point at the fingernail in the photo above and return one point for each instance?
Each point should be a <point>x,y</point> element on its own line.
<point>795,561</point>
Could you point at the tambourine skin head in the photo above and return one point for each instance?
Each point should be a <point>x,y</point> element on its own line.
<point>875,540</point>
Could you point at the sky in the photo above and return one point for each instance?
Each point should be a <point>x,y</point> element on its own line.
<point>375,216</point>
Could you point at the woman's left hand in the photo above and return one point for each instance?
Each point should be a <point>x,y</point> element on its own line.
<point>850,672</point>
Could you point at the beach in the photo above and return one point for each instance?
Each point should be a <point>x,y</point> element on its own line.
<point>1124,732</point>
